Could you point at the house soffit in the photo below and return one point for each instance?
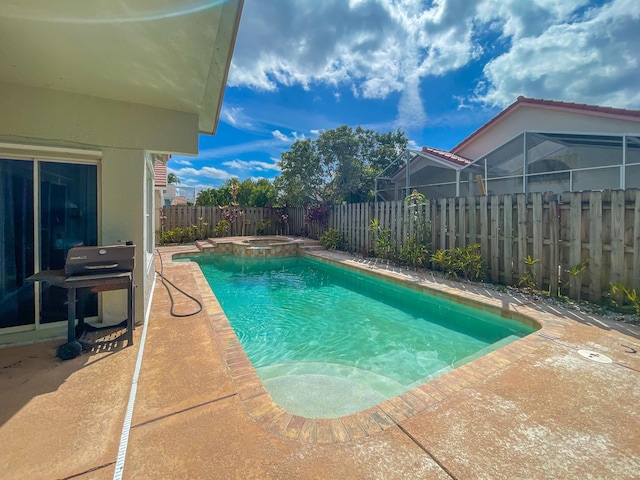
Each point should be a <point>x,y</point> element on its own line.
<point>173,55</point>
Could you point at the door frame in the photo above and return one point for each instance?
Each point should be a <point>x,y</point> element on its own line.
<point>36,155</point>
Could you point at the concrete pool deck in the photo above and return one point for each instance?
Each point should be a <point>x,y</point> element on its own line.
<point>535,409</point>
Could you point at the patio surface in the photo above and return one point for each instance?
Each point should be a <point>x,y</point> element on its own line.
<point>535,409</point>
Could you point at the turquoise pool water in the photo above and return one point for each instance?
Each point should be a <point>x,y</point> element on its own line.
<point>319,334</point>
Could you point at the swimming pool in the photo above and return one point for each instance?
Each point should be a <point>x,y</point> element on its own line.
<point>327,341</point>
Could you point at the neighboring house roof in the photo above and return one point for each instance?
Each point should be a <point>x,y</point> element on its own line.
<point>439,157</point>
<point>458,160</point>
<point>595,110</point>
<point>160,174</point>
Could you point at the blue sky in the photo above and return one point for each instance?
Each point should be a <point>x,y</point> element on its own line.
<point>436,69</point>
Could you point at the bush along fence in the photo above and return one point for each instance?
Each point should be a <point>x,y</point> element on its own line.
<point>581,244</point>
<point>578,244</point>
<point>179,224</point>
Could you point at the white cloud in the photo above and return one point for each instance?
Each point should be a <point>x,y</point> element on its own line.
<point>252,165</point>
<point>560,49</point>
<point>374,48</point>
<point>236,117</point>
<point>277,134</point>
<point>184,174</point>
<point>594,60</point>
<point>181,161</point>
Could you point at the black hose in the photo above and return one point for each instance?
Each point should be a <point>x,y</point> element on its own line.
<point>165,281</point>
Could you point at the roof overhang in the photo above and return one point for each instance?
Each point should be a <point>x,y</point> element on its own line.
<point>426,159</point>
<point>172,55</point>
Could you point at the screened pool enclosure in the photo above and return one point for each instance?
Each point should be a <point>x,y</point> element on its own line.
<point>530,162</point>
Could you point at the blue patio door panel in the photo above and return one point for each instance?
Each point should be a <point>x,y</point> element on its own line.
<point>66,217</point>
<point>16,243</point>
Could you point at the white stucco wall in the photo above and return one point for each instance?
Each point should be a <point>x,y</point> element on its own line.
<point>122,135</point>
<point>45,116</point>
<point>122,213</point>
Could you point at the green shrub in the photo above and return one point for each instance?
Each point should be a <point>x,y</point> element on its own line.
<point>222,228</point>
<point>465,263</point>
<point>528,279</point>
<point>381,239</point>
<point>333,239</point>
<point>623,298</point>
<point>175,235</point>
<point>414,254</point>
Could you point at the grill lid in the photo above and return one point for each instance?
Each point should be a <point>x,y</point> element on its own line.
<point>100,259</point>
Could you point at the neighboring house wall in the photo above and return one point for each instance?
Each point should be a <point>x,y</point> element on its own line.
<point>535,146</point>
<point>530,118</point>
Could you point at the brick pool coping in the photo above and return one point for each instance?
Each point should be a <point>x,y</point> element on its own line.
<point>264,411</point>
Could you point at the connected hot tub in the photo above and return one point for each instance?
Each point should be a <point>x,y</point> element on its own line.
<point>273,246</point>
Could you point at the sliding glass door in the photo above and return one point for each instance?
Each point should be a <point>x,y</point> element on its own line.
<point>16,243</point>
<point>66,216</point>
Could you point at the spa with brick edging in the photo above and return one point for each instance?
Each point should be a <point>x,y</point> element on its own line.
<point>264,411</point>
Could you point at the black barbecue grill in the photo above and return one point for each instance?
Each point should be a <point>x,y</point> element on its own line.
<point>100,260</point>
<point>90,270</point>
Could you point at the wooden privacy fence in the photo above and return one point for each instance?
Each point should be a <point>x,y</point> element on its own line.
<point>353,221</point>
<point>246,221</point>
<point>561,232</point>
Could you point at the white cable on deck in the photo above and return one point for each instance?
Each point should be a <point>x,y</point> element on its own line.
<point>126,427</point>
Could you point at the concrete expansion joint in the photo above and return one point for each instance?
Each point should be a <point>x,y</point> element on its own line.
<point>177,412</point>
<point>424,449</point>
<point>90,470</point>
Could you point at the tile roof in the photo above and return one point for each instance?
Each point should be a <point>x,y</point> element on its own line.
<point>160,173</point>
<point>447,156</point>
<point>610,112</point>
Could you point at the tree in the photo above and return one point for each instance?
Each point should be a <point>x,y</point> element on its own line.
<point>302,178</point>
<point>173,179</point>
<point>249,193</point>
<point>264,193</point>
<point>340,165</point>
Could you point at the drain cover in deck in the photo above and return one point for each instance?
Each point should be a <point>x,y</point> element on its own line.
<point>595,356</point>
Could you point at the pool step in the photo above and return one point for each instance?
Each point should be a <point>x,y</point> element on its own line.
<point>205,245</point>
<point>312,245</point>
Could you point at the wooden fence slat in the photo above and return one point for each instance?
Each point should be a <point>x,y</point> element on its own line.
<point>473,226</point>
<point>484,228</point>
<point>495,237</point>
<point>462,219</point>
<point>617,235</point>
<point>537,235</point>
<point>635,281</point>
<point>451,223</point>
<point>554,239</point>
<point>595,246</point>
<point>508,239</point>
<point>442,204</point>
<point>522,232</point>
